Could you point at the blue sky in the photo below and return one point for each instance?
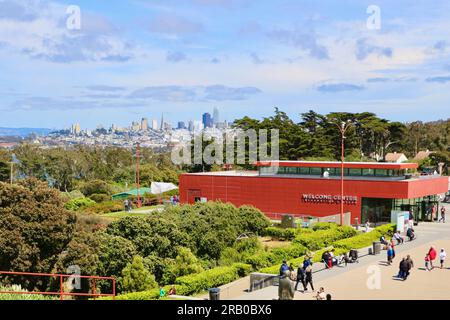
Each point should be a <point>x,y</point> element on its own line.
<point>139,58</point>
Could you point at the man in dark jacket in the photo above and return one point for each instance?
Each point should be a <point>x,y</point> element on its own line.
<point>410,265</point>
<point>403,269</point>
<point>308,278</point>
<point>300,277</point>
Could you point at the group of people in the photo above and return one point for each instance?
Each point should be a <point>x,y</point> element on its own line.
<point>174,200</point>
<point>303,275</point>
<point>162,292</point>
<point>330,260</point>
<point>404,268</point>
<point>432,255</point>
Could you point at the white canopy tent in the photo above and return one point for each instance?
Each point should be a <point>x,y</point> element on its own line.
<point>160,187</point>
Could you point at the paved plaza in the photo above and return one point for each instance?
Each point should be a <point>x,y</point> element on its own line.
<point>351,282</point>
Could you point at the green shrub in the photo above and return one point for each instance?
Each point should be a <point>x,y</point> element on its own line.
<point>105,207</point>
<point>17,296</point>
<point>324,237</point>
<point>211,278</point>
<point>365,239</point>
<point>95,186</point>
<point>324,226</point>
<point>99,197</point>
<point>279,233</point>
<point>276,255</point>
<point>136,277</point>
<point>79,203</point>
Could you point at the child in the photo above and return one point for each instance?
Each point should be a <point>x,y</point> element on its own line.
<point>442,256</point>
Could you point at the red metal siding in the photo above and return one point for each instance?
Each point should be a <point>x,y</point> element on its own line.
<point>277,195</point>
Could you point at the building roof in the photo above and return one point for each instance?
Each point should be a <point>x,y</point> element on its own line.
<point>394,156</point>
<point>337,164</point>
<point>422,154</point>
<point>133,192</point>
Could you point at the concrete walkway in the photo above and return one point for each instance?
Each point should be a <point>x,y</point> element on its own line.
<point>351,282</point>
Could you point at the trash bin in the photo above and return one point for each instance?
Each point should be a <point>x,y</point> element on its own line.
<point>376,247</point>
<point>214,294</point>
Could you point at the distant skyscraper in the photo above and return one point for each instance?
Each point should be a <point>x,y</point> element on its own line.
<point>162,121</point>
<point>181,125</point>
<point>216,118</point>
<point>207,121</point>
<point>135,126</point>
<point>144,124</point>
<point>76,129</point>
<point>155,124</point>
<point>191,125</point>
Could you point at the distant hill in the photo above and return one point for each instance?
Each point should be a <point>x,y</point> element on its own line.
<point>23,132</point>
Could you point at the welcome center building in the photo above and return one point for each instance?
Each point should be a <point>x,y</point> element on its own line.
<point>304,188</point>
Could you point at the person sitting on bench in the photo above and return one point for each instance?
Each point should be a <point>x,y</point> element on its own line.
<point>334,261</point>
<point>410,234</point>
<point>383,240</point>
<point>398,237</point>
<point>326,260</point>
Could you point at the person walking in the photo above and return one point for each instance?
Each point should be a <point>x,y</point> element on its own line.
<point>442,256</point>
<point>442,215</point>
<point>307,262</point>
<point>367,226</point>
<point>300,277</point>
<point>403,269</point>
<point>284,267</point>
<point>308,278</point>
<point>432,253</point>
<point>390,255</point>
<point>427,262</point>
<point>409,266</point>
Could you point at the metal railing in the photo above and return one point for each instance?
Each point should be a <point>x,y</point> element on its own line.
<point>61,293</point>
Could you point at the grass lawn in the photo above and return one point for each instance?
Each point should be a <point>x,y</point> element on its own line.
<point>141,212</point>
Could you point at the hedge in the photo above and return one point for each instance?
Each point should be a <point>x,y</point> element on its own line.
<point>195,283</point>
<point>365,239</point>
<point>341,246</point>
<point>280,233</point>
<point>212,278</point>
<point>266,259</point>
<point>324,237</point>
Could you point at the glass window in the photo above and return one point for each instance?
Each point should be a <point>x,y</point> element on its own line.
<point>367,172</point>
<point>376,210</point>
<point>381,172</point>
<point>281,170</point>
<point>316,171</point>
<point>291,170</point>
<point>303,170</point>
<point>354,172</point>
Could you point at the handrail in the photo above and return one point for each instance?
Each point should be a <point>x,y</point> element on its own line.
<point>61,292</point>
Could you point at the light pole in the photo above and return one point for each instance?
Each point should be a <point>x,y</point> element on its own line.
<point>138,160</point>
<point>343,128</point>
<point>11,174</point>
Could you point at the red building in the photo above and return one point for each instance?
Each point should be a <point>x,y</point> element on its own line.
<point>371,190</point>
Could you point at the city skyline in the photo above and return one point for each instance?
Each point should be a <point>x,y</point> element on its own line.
<point>141,58</point>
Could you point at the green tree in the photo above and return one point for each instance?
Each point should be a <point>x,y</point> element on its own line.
<point>136,277</point>
<point>35,228</point>
<point>185,263</point>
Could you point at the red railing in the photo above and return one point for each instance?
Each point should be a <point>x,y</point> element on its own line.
<point>61,293</point>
